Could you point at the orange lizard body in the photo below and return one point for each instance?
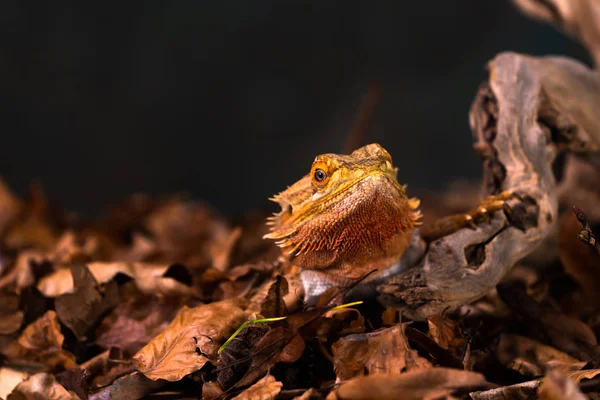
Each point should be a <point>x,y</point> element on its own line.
<point>348,216</point>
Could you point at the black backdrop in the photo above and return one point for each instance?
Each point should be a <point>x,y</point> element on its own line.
<point>231,100</point>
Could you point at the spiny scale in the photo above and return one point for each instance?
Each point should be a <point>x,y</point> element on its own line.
<point>362,218</point>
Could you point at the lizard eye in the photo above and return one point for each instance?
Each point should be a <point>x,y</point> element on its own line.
<point>320,175</point>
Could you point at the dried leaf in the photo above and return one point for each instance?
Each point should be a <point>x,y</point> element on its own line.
<point>578,18</point>
<point>340,322</point>
<point>432,383</point>
<point>185,229</point>
<point>520,391</point>
<point>578,376</point>
<point>11,317</point>
<point>527,390</point>
<point>556,386</point>
<point>530,357</point>
<point>580,261</point>
<point>277,345</point>
<point>439,355</point>
<point>293,350</point>
<point>129,387</point>
<point>80,310</point>
<point>266,388</point>
<point>133,324</point>
<point>310,394</point>
<point>41,386</point>
<point>211,390</point>
<point>142,248</point>
<point>389,316</point>
<point>9,379</point>
<point>234,361</point>
<point>72,248</point>
<point>41,342</point>
<point>273,305</point>
<point>189,341</point>
<point>383,351</point>
<point>22,274</point>
<point>562,331</point>
<point>74,380</point>
<point>149,278</point>
<point>446,333</point>
<point>221,248</point>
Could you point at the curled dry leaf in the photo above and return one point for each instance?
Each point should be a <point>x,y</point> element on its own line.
<point>532,358</point>
<point>234,361</point>
<point>383,351</point>
<point>431,383</point>
<point>142,248</point>
<point>520,391</point>
<point>149,278</point>
<point>211,391</point>
<point>580,261</point>
<point>310,394</point>
<point>440,356</point>
<point>273,305</point>
<point>578,376</point>
<point>556,386</point>
<point>41,386</point>
<point>41,342</point>
<point>527,390</point>
<point>578,18</point>
<point>72,248</point>
<point>9,379</point>
<point>277,345</point>
<point>133,324</point>
<point>75,380</point>
<point>221,248</point>
<point>80,310</point>
<point>340,322</point>
<point>185,230</point>
<point>268,301</point>
<point>238,279</point>
<point>446,333</point>
<point>190,340</point>
<point>133,386</point>
<point>22,274</point>
<point>562,331</point>
<point>11,317</point>
<point>266,388</point>
<point>293,350</point>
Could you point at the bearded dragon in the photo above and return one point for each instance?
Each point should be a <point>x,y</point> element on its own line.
<point>349,216</point>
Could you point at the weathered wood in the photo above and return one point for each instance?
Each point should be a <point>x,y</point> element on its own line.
<point>577,18</point>
<point>528,111</point>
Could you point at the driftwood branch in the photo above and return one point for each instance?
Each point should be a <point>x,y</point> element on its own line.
<point>526,113</point>
<point>577,18</point>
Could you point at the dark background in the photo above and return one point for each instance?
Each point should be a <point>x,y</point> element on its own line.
<point>231,100</point>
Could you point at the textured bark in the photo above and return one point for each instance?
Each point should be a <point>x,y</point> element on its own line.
<point>528,111</point>
<point>578,18</point>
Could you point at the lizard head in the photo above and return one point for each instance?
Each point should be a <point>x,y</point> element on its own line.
<point>348,211</point>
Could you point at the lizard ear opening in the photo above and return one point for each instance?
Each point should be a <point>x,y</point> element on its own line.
<point>320,174</point>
